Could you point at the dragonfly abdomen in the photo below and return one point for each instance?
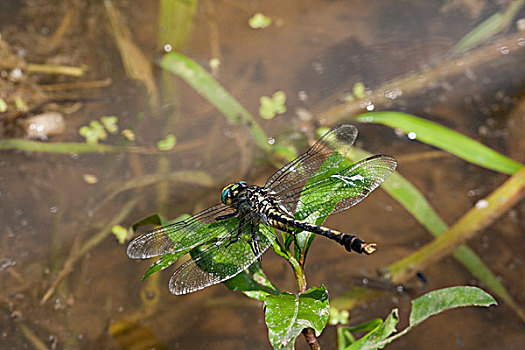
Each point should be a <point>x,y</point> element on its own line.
<point>350,242</point>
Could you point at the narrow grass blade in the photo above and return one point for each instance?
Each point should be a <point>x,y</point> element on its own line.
<point>444,138</point>
<point>496,23</point>
<point>208,87</point>
<point>176,19</point>
<point>69,147</point>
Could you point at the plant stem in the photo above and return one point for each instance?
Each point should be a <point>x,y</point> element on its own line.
<point>311,339</point>
<point>299,274</point>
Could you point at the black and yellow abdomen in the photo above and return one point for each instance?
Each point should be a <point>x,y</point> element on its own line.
<point>284,222</point>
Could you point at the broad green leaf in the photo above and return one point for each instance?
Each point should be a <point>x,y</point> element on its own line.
<point>208,87</point>
<point>163,262</point>
<point>253,283</point>
<point>288,314</point>
<point>441,137</point>
<point>440,300</point>
<point>227,263</point>
<point>167,259</point>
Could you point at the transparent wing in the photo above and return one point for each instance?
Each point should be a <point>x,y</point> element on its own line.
<point>338,140</point>
<point>219,261</point>
<point>339,189</point>
<point>180,236</point>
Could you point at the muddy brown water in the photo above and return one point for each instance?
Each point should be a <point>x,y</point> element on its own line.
<point>315,48</point>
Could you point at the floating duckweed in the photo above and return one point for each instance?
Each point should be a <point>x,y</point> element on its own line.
<point>272,106</point>
<point>359,90</point>
<point>167,143</point>
<point>120,232</point>
<point>3,106</point>
<point>259,21</point>
<point>110,123</point>
<point>129,134</point>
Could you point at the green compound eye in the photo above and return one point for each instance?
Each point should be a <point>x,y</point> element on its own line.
<point>225,194</point>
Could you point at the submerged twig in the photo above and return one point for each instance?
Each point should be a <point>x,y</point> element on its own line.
<point>76,85</point>
<point>419,82</point>
<point>77,253</point>
<point>191,177</point>
<point>417,157</point>
<point>48,68</point>
<point>68,267</point>
<point>28,333</point>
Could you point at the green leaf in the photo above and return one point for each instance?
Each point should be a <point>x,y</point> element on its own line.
<point>288,314</point>
<point>440,300</point>
<point>444,138</point>
<point>253,283</point>
<point>167,259</point>
<point>163,262</point>
<point>381,333</point>
<point>154,219</point>
<point>208,87</point>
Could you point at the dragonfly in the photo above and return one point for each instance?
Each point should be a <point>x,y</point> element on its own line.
<point>227,238</point>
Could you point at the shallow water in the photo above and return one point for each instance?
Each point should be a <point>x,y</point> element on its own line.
<point>318,49</point>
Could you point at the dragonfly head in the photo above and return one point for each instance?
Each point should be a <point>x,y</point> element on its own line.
<point>231,192</point>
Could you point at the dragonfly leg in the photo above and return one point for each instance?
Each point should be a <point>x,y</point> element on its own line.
<point>254,244</point>
<point>227,216</point>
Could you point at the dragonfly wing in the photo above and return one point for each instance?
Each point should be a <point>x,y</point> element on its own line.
<point>180,236</point>
<point>339,191</point>
<point>338,140</point>
<point>219,262</point>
